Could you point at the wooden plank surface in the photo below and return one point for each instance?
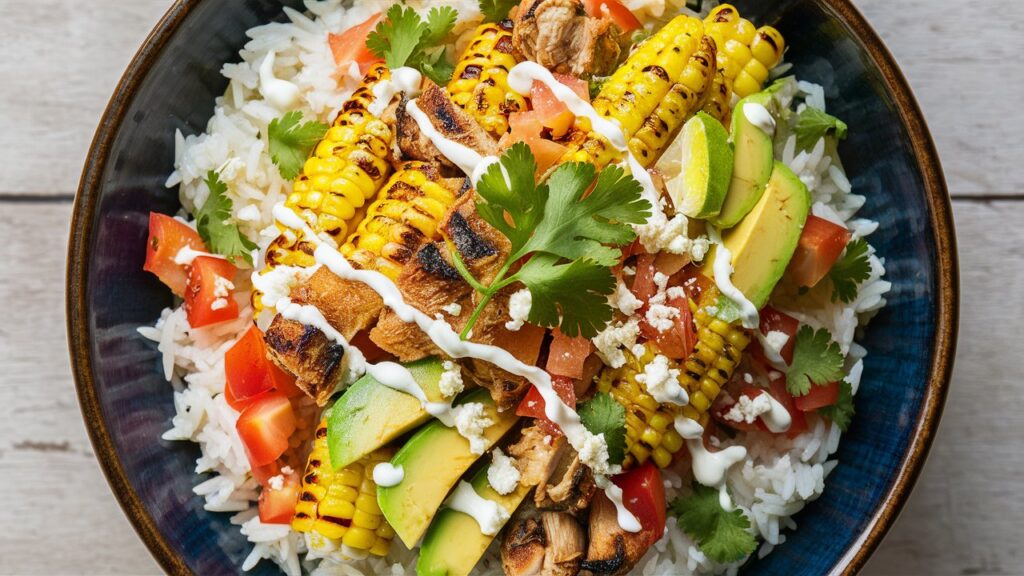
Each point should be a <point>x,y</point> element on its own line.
<point>62,58</point>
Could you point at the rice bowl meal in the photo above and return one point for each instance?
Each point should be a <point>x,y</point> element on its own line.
<point>542,287</point>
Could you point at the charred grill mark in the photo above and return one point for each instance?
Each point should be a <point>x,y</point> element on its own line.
<point>610,565</point>
<point>429,257</point>
<point>366,164</point>
<point>504,44</point>
<point>657,71</point>
<point>471,72</point>
<point>321,432</point>
<point>507,25</point>
<point>449,125</point>
<point>335,520</point>
<point>467,242</point>
<point>724,15</point>
<point>768,38</point>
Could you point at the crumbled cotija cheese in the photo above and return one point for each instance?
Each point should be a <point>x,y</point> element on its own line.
<point>660,315</point>
<point>471,422</point>
<point>747,410</point>
<point>450,383</point>
<point>276,482</point>
<point>670,235</point>
<point>594,453</point>
<point>502,475</point>
<point>222,287</point>
<point>453,309</point>
<point>624,300</point>
<point>617,337</point>
<point>519,305</point>
<point>662,382</point>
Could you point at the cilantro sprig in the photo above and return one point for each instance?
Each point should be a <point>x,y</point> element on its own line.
<point>852,269</point>
<point>813,124</point>
<point>816,360</point>
<point>722,536</point>
<point>841,413</point>
<point>603,415</point>
<point>496,10</point>
<point>402,38</point>
<point>215,227</point>
<point>564,237</point>
<point>290,142</point>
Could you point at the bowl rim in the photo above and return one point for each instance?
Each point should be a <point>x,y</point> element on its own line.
<point>942,231</point>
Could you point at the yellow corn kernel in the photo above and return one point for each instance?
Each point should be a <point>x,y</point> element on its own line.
<point>479,84</point>
<point>746,54</point>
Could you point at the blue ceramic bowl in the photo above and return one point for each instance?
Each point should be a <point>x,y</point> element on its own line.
<point>171,84</point>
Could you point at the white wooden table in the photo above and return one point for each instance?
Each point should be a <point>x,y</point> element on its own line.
<point>60,60</point>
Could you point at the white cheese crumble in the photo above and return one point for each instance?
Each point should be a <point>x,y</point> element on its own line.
<point>450,383</point>
<point>623,300</point>
<point>629,271</point>
<point>614,339</point>
<point>660,315</point>
<point>222,287</point>
<point>219,304</point>
<point>276,482</point>
<point>277,284</point>
<point>502,475</point>
<point>773,342</point>
<point>453,309</point>
<point>471,422</point>
<point>747,410</point>
<point>519,305</point>
<point>670,235</point>
<point>594,453</point>
<point>287,470</point>
<point>662,382</point>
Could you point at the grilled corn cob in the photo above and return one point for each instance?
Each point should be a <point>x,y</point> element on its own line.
<point>745,54</point>
<point>683,100</point>
<point>480,82</point>
<point>711,364</point>
<point>339,507</point>
<point>633,93</point>
<point>719,102</point>
<point>405,215</point>
<point>650,433</point>
<point>346,170</point>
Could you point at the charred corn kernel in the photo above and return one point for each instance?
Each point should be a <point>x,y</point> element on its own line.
<point>340,506</point>
<point>649,97</point>
<point>746,54</point>
<point>684,99</point>
<point>650,430</point>
<point>709,367</point>
<point>719,101</point>
<point>480,82</point>
<point>347,168</point>
<point>406,214</point>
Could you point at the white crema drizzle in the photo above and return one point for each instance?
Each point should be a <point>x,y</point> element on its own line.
<point>709,468</point>
<point>387,475</point>
<point>723,279</point>
<point>489,515</point>
<point>403,79</point>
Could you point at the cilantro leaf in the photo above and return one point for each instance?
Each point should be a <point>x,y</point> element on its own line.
<point>574,293</point>
<point>722,536</point>
<point>850,270</point>
<point>214,226</point>
<point>402,38</point>
<point>290,142</point>
<point>841,413</point>
<point>497,10</point>
<point>603,415</point>
<point>813,124</point>
<point>816,360</point>
<point>577,224</point>
<point>518,197</point>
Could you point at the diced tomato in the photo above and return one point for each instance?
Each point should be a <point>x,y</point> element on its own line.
<point>553,113</point>
<point>798,424</point>
<point>643,494</point>
<point>250,374</point>
<point>350,45</point>
<point>678,341</point>
<point>532,405</point>
<point>643,284</point>
<point>524,343</point>
<point>620,15</point>
<point>821,244</point>
<point>774,321</point>
<point>818,397</point>
<point>264,428</point>
<point>264,473</point>
<point>167,236</point>
<point>277,505</point>
<point>567,355</point>
<point>208,298</point>
<point>669,264</point>
<point>527,127</point>
<point>719,414</point>
<point>693,282</point>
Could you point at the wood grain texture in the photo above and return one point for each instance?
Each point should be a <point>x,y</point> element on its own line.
<point>62,59</point>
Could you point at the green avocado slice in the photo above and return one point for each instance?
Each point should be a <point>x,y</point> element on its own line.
<point>754,155</point>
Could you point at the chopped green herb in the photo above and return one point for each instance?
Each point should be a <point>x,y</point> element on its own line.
<point>852,269</point>
<point>497,10</point>
<point>291,142</point>
<point>603,415</point>
<point>841,413</point>
<point>564,237</point>
<point>722,536</point>
<point>595,84</point>
<point>214,225</point>
<point>813,124</point>
<point>816,360</point>
<point>405,39</point>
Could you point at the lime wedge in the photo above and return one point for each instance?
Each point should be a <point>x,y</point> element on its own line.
<point>698,167</point>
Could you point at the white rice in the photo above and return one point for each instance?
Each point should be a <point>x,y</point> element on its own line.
<point>777,479</point>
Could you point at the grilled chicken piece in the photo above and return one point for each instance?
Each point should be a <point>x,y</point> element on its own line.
<point>304,351</point>
<point>612,550</point>
<point>544,544</point>
<point>570,487</point>
<point>448,119</point>
<point>536,459</point>
<point>561,36</point>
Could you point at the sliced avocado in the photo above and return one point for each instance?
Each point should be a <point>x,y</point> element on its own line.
<point>369,414</point>
<point>433,461</point>
<point>754,154</point>
<point>454,543</point>
<point>764,241</point>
